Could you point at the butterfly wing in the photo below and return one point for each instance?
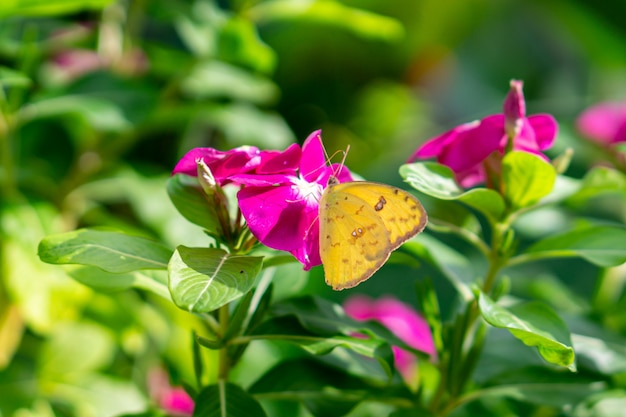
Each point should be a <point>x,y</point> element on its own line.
<point>361,223</point>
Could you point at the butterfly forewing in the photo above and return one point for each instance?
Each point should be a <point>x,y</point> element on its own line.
<point>400,211</point>
<point>361,223</point>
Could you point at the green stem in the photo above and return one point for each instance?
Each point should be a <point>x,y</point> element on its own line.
<point>224,360</point>
<point>445,227</point>
<point>531,257</point>
<point>466,339</point>
<point>7,174</point>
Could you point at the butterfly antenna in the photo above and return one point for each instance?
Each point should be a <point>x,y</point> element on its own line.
<point>342,163</point>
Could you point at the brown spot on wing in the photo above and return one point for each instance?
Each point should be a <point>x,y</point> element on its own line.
<point>381,203</point>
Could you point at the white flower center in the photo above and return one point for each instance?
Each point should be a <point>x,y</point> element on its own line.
<point>311,192</point>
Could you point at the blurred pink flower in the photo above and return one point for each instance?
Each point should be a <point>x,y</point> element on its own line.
<point>174,400</point>
<point>401,320</point>
<point>466,148</point>
<point>604,122</point>
<point>281,209</point>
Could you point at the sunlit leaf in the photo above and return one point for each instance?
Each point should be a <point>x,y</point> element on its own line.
<point>204,279</point>
<point>110,251</point>
<point>333,13</point>
<point>535,324</point>
<point>47,8</point>
<point>601,245</point>
<point>438,181</point>
<point>526,178</point>
<point>11,329</point>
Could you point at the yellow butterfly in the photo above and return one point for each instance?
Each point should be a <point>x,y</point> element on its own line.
<point>361,223</point>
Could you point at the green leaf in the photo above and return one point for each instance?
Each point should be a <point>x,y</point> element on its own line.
<point>12,78</point>
<point>555,394</point>
<point>438,181</point>
<point>97,113</point>
<point>535,324</point>
<point>332,13</point>
<point>193,203</point>
<point>328,390</point>
<point>453,265</point>
<point>608,358</point>
<point>239,43</point>
<point>48,8</point>
<point>226,400</point>
<point>610,403</point>
<point>599,181</point>
<point>526,178</point>
<point>110,251</point>
<point>289,329</point>
<point>218,80</point>
<point>204,279</point>
<point>285,380</point>
<point>601,245</point>
<point>73,349</point>
<point>96,278</point>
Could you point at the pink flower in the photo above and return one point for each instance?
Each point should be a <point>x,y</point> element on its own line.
<point>224,165</point>
<point>401,320</point>
<point>281,210</point>
<point>174,400</point>
<point>604,122</point>
<point>466,148</point>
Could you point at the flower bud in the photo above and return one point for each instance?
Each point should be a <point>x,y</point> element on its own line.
<point>514,109</point>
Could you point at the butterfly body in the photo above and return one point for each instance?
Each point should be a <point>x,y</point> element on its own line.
<point>361,223</point>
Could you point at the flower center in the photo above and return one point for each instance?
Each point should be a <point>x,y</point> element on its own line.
<point>311,192</point>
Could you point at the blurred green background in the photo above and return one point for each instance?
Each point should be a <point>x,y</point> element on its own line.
<point>100,98</point>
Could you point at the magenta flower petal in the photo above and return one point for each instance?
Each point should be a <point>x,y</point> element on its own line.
<point>177,402</point>
<point>472,146</point>
<point>466,148</point>
<point>277,162</point>
<point>471,177</point>
<point>222,164</point>
<point>546,128</point>
<point>401,319</point>
<point>282,210</point>
<point>264,209</point>
<point>620,134</point>
<point>602,121</point>
<point>435,146</point>
<point>313,165</point>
